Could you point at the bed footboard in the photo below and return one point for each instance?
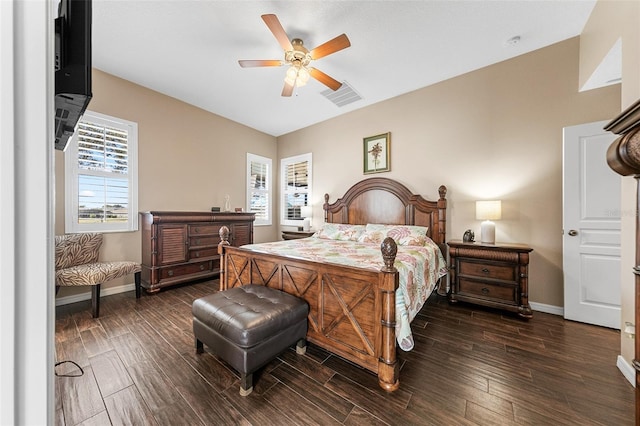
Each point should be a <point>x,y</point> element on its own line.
<point>351,310</point>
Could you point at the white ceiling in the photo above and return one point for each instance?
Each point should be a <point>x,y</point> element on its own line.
<point>190,49</point>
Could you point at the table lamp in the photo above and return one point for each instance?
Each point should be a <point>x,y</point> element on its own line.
<point>306,212</point>
<point>488,211</point>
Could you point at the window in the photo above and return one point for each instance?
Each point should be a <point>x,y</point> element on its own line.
<point>295,188</point>
<point>259,188</point>
<point>101,175</point>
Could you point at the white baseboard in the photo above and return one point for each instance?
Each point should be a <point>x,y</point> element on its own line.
<point>549,309</point>
<point>627,370</point>
<point>87,296</point>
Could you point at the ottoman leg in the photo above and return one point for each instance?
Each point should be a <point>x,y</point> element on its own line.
<point>246,383</point>
<point>301,347</point>
<point>199,346</point>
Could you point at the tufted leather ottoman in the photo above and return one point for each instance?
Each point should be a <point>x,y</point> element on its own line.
<point>248,326</point>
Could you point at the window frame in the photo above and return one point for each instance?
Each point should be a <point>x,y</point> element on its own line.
<point>254,158</point>
<point>73,172</point>
<point>284,190</point>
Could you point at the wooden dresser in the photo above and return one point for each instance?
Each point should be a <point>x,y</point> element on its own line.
<point>494,275</point>
<point>183,246</point>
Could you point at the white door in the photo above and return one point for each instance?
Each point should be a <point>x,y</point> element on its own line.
<point>591,227</point>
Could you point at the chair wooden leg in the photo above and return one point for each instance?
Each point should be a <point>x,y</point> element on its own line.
<point>137,280</point>
<point>95,300</point>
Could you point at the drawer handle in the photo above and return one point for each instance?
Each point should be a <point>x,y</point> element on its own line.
<point>485,270</point>
<point>197,254</point>
<point>202,267</point>
<point>485,290</point>
<point>170,272</point>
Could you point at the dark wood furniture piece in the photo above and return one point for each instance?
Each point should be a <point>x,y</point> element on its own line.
<point>183,246</point>
<point>352,310</point>
<point>494,275</point>
<point>623,156</point>
<point>294,235</point>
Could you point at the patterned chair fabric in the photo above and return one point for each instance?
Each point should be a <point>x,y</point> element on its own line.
<point>77,264</point>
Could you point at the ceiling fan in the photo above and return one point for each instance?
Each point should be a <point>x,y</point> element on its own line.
<point>299,57</point>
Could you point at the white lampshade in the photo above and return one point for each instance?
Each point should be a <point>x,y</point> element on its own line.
<point>306,211</point>
<point>488,211</point>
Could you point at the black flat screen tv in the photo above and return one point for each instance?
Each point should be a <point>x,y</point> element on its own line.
<point>72,67</point>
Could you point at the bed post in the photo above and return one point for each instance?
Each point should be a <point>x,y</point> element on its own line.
<point>388,369</point>
<point>224,241</point>
<point>325,207</point>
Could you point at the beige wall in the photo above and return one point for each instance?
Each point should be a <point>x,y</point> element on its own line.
<point>491,133</point>
<point>188,160</point>
<point>610,21</point>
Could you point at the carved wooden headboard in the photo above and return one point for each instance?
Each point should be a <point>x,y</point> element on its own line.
<point>386,201</point>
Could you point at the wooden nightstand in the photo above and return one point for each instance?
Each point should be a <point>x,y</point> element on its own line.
<point>294,235</point>
<point>494,275</point>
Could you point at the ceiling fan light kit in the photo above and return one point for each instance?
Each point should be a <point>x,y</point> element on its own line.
<point>299,57</point>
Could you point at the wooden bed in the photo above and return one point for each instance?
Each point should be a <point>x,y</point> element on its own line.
<point>352,310</point>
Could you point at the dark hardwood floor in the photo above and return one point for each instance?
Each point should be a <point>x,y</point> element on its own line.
<point>470,366</point>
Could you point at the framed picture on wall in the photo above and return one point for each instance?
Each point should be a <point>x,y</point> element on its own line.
<point>377,150</point>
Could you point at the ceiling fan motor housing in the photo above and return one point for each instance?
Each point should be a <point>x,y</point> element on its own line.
<point>299,56</point>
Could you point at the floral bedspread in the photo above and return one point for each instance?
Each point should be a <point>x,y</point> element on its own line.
<point>419,269</point>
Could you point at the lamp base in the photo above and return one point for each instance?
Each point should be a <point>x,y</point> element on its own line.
<point>488,232</point>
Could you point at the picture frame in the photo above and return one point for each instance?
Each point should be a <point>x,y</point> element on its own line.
<point>377,153</point>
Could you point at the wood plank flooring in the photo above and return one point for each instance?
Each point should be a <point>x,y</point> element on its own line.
<point>470,366</point>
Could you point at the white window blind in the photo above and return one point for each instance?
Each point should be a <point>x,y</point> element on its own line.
<point>259,188</point>
<point>296,188</point>
<point>101,175</point>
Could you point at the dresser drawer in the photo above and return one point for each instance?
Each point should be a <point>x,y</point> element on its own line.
<point>502,293</point>
<point>204,241</point>
<point>506,272</point>
<point>204,229</point>
<point>186,269</point>
<point>203,253</point>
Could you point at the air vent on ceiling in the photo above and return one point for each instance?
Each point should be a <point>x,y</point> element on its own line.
<point>343,96</point>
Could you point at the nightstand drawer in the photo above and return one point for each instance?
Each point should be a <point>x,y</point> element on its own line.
<point>505,272</point>
<point>502,293</point>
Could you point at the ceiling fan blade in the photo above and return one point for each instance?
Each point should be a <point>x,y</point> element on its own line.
<point>323,78</point>
<point>287,90</point>
<point>244,63</point>
<point>332,46</point>
<point>276,28</point>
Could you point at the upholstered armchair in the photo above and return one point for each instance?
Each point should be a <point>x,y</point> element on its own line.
<point>77,264</point>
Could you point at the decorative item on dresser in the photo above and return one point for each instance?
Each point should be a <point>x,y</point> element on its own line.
<point>178,247</point>
<point>494,275</point>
